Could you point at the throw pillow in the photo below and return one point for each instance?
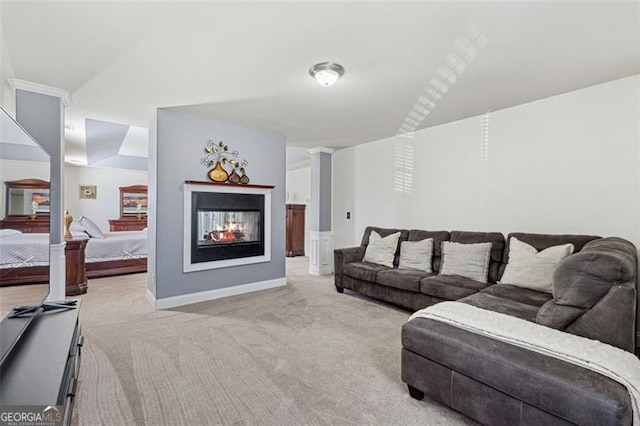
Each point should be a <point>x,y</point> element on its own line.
<point>466,260</point>
<point>416,255</point>
<point>79,234</point>
<point>91,228</point>
<point>381,250</point>
<point>528,268</point>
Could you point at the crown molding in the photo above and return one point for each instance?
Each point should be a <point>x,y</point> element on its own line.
<point>318,149</point>
<point>299,165</point>
<point>42,89</point>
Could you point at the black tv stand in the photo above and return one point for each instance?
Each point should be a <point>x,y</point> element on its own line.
<point>31,310</point>
<point>42,368</point>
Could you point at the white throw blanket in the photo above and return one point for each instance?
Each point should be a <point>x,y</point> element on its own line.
<point>619,365</point>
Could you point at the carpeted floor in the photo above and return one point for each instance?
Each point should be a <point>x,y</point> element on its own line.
<point>297,355</point>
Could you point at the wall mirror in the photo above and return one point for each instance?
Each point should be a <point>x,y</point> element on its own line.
<point>27,197</point>
<point>24,172</point>
<point>133,201</point>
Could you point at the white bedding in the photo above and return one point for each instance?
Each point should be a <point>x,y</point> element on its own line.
<point>619,365</point>
<point>23,250</point>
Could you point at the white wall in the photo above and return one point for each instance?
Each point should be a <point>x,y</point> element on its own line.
<point>107,204</point>
<point>344,198</point>
<point>298,187</point>
<point>565,164</point>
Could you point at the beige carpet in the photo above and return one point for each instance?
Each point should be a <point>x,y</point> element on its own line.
<point>301,354</point>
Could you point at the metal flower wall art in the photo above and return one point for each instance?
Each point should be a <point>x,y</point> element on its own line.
<point>224,164</point>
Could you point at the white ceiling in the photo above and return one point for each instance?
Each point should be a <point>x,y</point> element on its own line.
<point>247,63</point>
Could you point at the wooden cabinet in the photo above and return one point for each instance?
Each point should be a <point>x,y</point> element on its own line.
<point>295,230</point>
<point>127,224</point>
<point>133,209</point>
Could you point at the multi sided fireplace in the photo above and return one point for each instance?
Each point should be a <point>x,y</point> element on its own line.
<point>227,225</point>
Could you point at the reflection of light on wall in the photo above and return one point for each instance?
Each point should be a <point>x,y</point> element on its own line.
<point>403,165</point>
<point>484,159</point>
<point>464,51</point>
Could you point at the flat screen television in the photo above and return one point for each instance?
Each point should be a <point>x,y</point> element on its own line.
<point>21,157</point>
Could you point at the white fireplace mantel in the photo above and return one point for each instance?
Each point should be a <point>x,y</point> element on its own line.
<point>192,186</point>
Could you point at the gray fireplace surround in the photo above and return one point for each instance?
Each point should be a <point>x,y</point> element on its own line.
<point>594,295</point>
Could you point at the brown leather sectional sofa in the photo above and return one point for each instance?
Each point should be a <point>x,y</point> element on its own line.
<point>594,295</point>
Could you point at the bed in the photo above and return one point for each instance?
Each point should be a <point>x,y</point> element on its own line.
<point>24,257</point>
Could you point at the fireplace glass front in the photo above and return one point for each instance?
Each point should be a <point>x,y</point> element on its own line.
<point>225,227</point>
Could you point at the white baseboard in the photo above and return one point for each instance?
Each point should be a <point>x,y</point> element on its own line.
<point>203,296</point>
<point>151,298</point>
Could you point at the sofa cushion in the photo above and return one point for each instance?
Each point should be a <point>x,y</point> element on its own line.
<point>466,260</point>
<point>438,237</point>
<point>497,248</point>
<point>533,269</point>
<point>403,279</point>
<point>363,270</point>
<point>511,300</point>
<point>381,250</point>
<point>416,255</point>
<point>450,287</point>
<point>591,293</point>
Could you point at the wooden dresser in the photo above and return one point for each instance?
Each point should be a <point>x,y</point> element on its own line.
<point>128,224</point>
<point>295,230</point>
<point>40,224</point>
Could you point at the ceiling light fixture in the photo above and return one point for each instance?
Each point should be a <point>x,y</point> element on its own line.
<point>326,73</point>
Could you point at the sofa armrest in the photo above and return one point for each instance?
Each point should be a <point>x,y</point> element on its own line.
<point>343,256</point>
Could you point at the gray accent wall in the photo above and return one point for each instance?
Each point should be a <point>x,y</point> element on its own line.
<point>179,145</point>
<point>43,117</point>
<point>320,214</point>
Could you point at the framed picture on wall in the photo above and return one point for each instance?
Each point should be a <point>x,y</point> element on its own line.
<point>89,192</point>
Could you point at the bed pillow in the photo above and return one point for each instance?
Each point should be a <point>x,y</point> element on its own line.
<point>76,226</point>
<point>79,234</point>
<point>381,250</point>
<point>466,260</point>
<point>91,228</point>
<point>528,268</point>
<point>416,255</point>
<point>7,232</point>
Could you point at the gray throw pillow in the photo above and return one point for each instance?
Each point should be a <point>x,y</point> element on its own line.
<point>416,255</point>
<point>466,260</point>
